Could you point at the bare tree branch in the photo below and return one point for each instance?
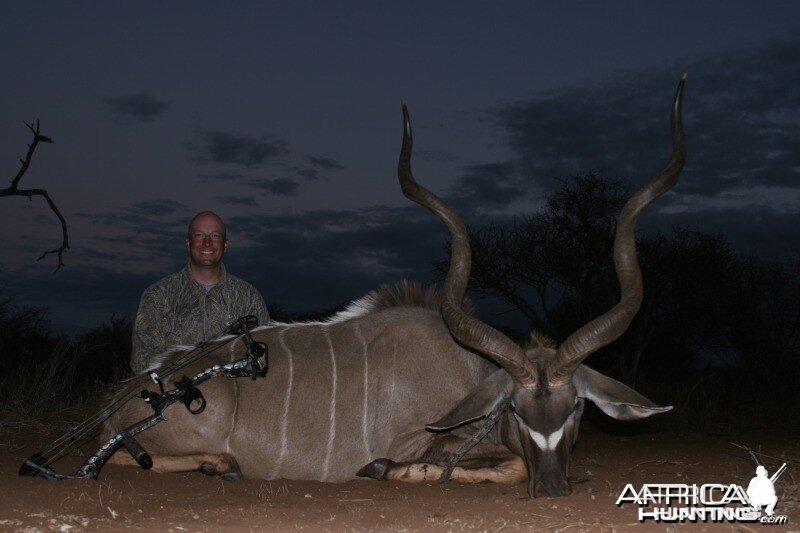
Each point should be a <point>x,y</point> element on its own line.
<point>14,190</point>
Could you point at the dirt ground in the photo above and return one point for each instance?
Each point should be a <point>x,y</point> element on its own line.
<point>604,460</point>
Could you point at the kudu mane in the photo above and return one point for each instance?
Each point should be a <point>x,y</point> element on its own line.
<point>406,293</point>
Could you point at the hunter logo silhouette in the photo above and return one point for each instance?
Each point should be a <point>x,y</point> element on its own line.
<point>761,490</point>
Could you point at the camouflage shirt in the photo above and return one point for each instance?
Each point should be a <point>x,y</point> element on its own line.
<point>177,310</point>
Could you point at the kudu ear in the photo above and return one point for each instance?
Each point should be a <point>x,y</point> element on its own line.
<point>612,397</point>
<point>477,403</point>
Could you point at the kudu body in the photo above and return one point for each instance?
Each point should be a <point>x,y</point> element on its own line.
<point>338,395</point>
<point>354,394</point>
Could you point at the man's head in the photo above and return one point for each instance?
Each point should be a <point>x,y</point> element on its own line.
<point>206,240</point>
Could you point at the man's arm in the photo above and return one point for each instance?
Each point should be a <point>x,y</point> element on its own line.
<point>148,331</point>
<point>259,309</point>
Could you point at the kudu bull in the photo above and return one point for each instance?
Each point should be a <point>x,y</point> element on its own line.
<point>353,394</point>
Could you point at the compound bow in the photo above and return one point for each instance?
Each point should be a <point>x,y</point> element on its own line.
<point>253,365</point>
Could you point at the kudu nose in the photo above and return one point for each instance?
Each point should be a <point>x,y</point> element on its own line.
<point>549,487</point>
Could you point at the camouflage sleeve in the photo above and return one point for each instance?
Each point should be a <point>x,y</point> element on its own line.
<point>148,331</point>
<point>259,309</point>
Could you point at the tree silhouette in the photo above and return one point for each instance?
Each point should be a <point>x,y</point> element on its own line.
<point>704,303</point>
<point>14,190</point>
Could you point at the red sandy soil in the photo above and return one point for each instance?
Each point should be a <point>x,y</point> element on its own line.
<point>130,498</point>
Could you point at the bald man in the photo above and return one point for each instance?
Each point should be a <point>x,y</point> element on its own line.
<point>196,303</point>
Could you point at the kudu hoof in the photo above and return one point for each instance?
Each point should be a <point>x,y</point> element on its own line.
<point>226,468</point>
<point>210,470</point>
<point>376,469</point>
<point>232,476</point>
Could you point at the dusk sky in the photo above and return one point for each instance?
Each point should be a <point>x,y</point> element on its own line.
<point>284,118</point>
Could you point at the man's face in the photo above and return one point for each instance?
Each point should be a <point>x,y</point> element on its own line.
<point>206,241</point>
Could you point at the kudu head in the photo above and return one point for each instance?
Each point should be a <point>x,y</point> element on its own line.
<point>543,389</point>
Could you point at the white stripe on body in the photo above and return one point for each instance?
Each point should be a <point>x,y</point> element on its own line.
<point>233,415</point>
<point>231,352</point>
<point>286,404</point>
<point>332,416</point>
<point>365,409</point>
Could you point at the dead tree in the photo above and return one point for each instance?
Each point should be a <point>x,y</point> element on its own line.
<point>14,190</point>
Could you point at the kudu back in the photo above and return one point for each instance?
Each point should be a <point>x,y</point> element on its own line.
<point>357,393</point>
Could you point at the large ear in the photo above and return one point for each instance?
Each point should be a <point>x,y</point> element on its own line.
<point>612,397</point>
<point>478,403</point>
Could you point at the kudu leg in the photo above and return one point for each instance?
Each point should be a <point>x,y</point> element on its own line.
<point>485,462</point>
<point>509,471</point>
<point>223,465</point>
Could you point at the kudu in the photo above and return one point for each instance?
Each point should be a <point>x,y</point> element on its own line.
<point>345,394</point>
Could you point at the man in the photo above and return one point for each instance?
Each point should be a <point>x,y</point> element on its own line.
<point>196,303</point>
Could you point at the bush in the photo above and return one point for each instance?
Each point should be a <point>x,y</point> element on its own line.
<point>43,372</point>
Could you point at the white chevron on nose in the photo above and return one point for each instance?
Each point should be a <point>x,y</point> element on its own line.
<point>549,442</point>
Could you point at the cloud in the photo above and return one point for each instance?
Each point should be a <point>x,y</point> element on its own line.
<point>139,106</point>
<point>325,163</point>
<point>317,163</point>
<point>741,114</point>
<point>277,186</point>
<point>247,201</point>
<point>759,230</point>
<point>138,237</point>
<point>312,260</point>
<point>114,218</point>
<point>143,217</point>
<point>158,207</point>
<point>223,147</point>
<point>436,155</point>
<point>308,173</point>
<point>781,200</point>
<point>487,186</point>
<point>222,176</point>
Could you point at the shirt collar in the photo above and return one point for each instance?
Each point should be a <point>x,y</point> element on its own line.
<point>187,274</point>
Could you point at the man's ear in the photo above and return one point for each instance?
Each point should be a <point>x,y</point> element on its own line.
<point>225,246</point>
<point>478,403</point>
<point>186,244</point>
<point>612,397</point>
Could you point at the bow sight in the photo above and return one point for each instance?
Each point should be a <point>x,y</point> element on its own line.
<point>253,365</point>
